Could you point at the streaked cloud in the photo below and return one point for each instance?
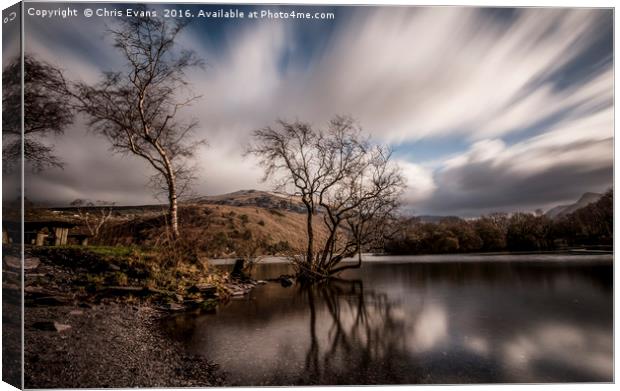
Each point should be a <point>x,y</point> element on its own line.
<point>522,98</point>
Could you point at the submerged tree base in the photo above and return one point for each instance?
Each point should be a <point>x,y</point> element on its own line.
<point>311,274</point>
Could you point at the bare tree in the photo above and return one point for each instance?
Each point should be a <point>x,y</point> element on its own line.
<point>338,174</point>
<point>47,109</point>
<point>94,215</point>
<point>137,109</point>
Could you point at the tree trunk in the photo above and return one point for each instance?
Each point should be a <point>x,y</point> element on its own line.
<point>172,213</point>
<point>310,253</point>
<point>172,192</point>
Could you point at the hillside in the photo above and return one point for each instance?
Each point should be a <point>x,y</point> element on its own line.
<point>262,199</point>
<point>220,230</point>
<point>563,210</point>
<point>243,223</point>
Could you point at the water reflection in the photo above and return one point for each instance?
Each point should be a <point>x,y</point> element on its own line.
<point>362,337</point>
<point>418,322</point>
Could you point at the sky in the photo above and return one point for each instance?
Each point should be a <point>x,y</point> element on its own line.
<point>486,110</point>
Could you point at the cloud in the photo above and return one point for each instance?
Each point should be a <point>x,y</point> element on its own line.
<point>91,171</point>
<point>536,173</point>
<point>420,182</point>
<point>427,72</point>
<point>527,91</point>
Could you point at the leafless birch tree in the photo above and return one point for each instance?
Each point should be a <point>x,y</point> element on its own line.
<point>341,178</point>
<point>138,109</point>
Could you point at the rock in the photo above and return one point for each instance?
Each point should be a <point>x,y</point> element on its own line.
<point>31,263</point>
<point>178,298</point>
<point>61,327</point>
<point>124,290</point>
<point>286,282</point>
<point>12,262</point>
<point>113,267</point>
<point>174,307</point>
<point>76,312</point>
<point>261,282</point>
<point>193,303</point>
<point>34,290</point>
<point>51,326</point>
<point>238,293</point>
<point>205,289</point>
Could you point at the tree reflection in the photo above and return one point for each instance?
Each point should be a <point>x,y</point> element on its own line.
<point>363,338</point>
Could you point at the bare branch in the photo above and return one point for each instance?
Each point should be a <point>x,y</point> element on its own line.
<point>338,173</point>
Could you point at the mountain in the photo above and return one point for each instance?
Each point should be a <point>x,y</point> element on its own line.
<point>563,210</point>
<point>259,198</point>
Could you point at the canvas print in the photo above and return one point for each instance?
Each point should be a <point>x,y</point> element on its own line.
<point>287,195</point>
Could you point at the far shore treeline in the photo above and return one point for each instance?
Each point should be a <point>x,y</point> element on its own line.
<point>591,225</point>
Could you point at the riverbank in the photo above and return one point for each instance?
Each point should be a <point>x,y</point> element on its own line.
<point>93,318</point>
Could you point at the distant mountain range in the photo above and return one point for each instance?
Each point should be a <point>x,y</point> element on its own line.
<point>563,210</point>
<point>434,219</point>
<point>274,201</point>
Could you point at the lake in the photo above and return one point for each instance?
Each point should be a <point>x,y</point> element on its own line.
<point>418,319</point>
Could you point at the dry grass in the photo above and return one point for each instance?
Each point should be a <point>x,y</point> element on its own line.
<point>220,230</point>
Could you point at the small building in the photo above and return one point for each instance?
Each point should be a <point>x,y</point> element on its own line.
<point>39,233</point>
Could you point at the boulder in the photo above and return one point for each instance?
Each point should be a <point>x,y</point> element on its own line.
<point>12,262</point>
<point>31,263</point>
<point>204,289</point>
<point>61,327</point>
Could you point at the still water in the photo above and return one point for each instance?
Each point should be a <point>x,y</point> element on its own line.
<point>418,319</point>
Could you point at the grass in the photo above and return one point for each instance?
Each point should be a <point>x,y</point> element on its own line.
<point>169,268</point>
<point>111,251</point>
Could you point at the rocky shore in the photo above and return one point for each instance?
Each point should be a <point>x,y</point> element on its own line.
<point>85,334</point>
<point>107,345</point>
